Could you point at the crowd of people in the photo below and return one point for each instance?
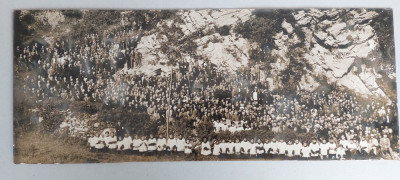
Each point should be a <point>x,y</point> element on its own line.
<point>90,70</point>
<point>75,126</point>
<point>342,149</point>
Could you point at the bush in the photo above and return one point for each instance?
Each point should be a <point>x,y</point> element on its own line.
<point>73,13</point>
<point>205,129</point>
<point>85,107</point>
<point>264,25</point>
<point>224,30</point>
<point>56,104</point>
<point>22,117</point>
<point>51,120</point>
<point>139,123</point>
<point>182,126</point>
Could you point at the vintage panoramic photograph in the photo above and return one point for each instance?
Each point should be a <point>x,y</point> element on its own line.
<point>99,86</point>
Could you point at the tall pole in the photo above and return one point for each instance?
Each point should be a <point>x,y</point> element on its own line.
<point>169,104</point>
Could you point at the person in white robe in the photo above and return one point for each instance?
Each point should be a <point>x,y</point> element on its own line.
<point>305,152</point>
<point>143,146</point>
<point>205,147</point>
<point>161,145</point>
<point>180,144</point>
<point>151,144</point>
<point>136,144</point>
<point>171,144</point>
<point>216,149</point>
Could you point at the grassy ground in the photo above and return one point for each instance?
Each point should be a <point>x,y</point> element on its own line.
<point>36,147</point>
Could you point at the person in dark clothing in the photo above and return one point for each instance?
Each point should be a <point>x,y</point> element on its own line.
<point>120,130</point>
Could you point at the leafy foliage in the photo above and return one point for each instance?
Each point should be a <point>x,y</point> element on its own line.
<point>73,13</point>
<point>224,30</point>
<point>22,116</point>
<point>85,107</point>
<point>21,30</point>
<point>51,120</point>
<point>264,26</point>
<point>294,71</point>
<point>140,123</point>
<point>55,104</point>
<point>383,25</point>
<point>205,129</point>
<point>183,126</point>
<point>95,21</point>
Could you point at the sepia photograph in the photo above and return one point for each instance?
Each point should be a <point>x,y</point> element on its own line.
<point>106,86</point>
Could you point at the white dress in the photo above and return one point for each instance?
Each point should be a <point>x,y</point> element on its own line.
<point>152,147</point>
<point>238,147</point>
<point>205,148</point>
<point>143,146</point>
<point>259,148</point>
<point>230,147</point>
<point>100,145</point>
<point>120,144</point>
<point>216,150</point>
<point>180,144</point>
<point>267,146</point>
<point>171,143</point>
<point>112,142</point>
<point>223,147</point>
<point>246,147</point>
<point>92,141</point>
<point>188,148</point>
<point>282,147</point>
<point>315,148</point>
<point>253,149</point>
<point>340,152</point>
<point>306,151</point>
<point>136,143</point>
<point>297,149</point>
<point>161,143</point>
<point>290,150</point>
<point>274,147</point>
<point>127,142</point>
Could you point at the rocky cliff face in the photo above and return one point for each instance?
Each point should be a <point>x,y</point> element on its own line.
<point>342,46</point>
<point>335,42</point>
<point>201,28</point>
<point>339,45</point>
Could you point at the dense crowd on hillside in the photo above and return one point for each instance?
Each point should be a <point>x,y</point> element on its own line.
<point>89,70</point>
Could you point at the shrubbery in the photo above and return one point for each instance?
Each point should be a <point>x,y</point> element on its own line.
<point>139,123</point>
<point>22,117</point>
<point>205,129</point>
<point>182,126</point>
<point>224,30</point>
<point>85,107</point>
<point>51,120</point>
<point>55,104</point>
<point>73,13</point>
<point>264,25</point>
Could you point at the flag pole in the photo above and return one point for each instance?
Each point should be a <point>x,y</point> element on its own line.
<point>169,104</point>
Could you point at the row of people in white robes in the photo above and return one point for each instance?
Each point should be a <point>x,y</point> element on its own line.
<point>141,144</point>
<point>297,149</point>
